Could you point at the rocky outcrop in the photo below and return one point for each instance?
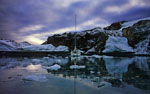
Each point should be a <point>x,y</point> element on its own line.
<point>95,40</point>
<point>85,40</point>
<point>115,26</point>
<point>137,32</point>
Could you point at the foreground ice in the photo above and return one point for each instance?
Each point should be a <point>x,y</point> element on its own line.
<point>39,78</point>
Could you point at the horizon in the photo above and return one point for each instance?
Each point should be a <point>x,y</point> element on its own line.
<point>34,22</point>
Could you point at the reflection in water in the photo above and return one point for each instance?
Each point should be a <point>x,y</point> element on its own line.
<point>92,71</point>
<point>116,71</point>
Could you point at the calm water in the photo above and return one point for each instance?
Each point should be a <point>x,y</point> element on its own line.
<point>84,75</point>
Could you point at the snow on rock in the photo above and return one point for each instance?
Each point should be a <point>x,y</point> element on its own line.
<point>142,47</point>
<point>39,78</point>
<point>130,23</point>
<point>53,67</point>
<point>77,67</point>
<point>119,44</point>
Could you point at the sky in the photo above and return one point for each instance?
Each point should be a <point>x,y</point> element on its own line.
<point>35,20</point>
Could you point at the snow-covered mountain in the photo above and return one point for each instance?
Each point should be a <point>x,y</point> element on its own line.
<point>11,45</point>
<point>133,36</point>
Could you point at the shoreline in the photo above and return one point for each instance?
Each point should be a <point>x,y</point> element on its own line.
<point>63,54</point>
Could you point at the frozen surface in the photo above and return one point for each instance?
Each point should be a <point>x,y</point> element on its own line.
<point>119,44</point>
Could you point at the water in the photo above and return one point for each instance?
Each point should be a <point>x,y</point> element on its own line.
<point>81,75</point>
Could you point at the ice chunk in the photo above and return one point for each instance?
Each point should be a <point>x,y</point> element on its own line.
<point>119,44</point>
<point>54,67</point>
<point>77,67</point>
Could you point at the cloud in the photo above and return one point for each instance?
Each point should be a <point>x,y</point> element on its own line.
<point>125,7</point>
<point>31,28</point>
<point>39,38</point>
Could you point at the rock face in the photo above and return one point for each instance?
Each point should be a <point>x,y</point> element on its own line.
<point>115,26</point>
<point>137,32</point>
<point>85,40</point>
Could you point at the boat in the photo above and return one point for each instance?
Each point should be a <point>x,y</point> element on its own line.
<point>75,52</point>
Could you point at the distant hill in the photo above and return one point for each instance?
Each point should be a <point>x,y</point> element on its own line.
<point>11,45</point>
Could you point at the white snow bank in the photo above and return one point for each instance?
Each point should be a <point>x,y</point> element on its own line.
<point>77,67</point>
<point>54,67</point>
<point>130,23</point>
<point>119,44</point>
<point>39,78</point>
<point>46,47</point>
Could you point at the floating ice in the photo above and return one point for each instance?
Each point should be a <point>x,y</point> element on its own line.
<point>77,67</point>
<point>54,67</point>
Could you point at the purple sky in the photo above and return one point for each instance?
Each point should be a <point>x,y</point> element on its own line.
<point>35,20</point>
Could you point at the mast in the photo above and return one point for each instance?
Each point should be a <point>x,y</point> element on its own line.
<point>75,34</point>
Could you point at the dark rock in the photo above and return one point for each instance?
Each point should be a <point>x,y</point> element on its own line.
<point>115,26</point>
<point>85,40</point>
